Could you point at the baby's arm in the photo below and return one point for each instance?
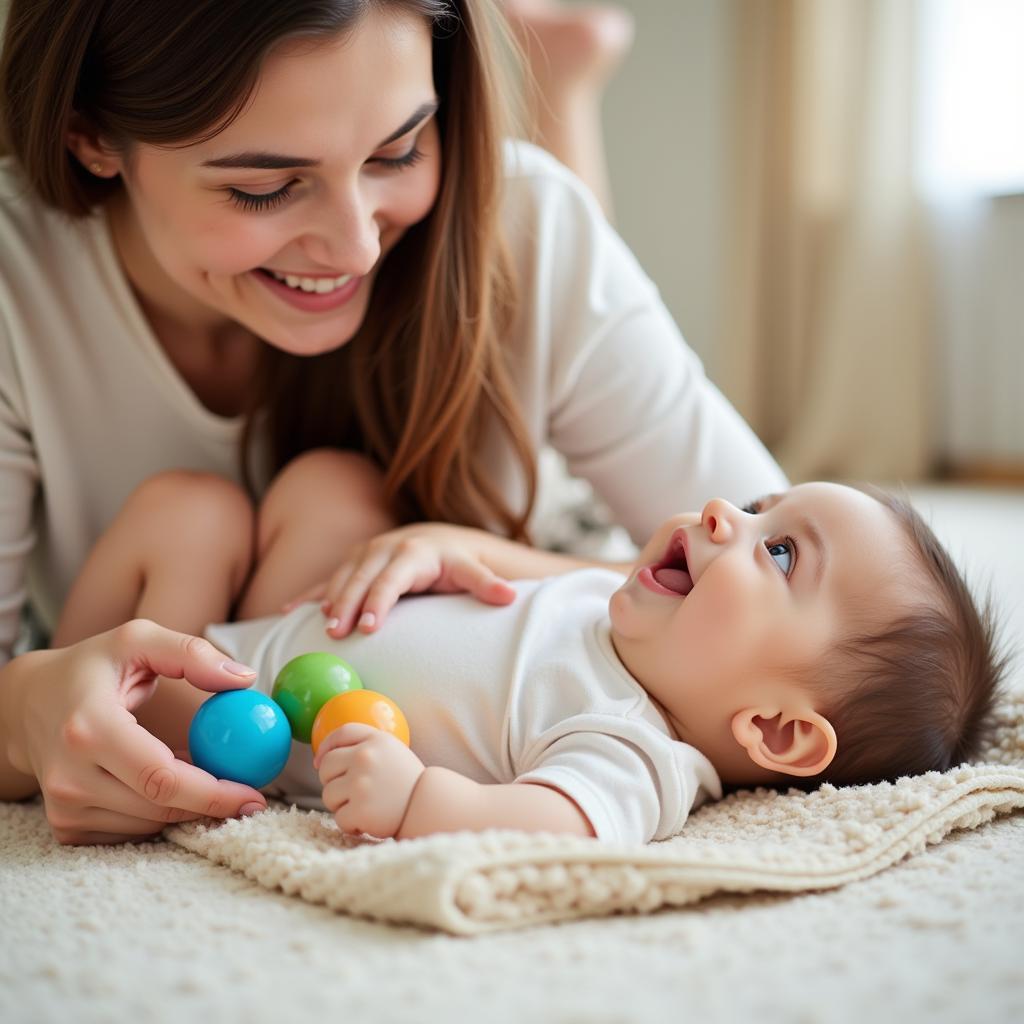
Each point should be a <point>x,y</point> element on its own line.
<point>373,783</point>
<point>444,801</point>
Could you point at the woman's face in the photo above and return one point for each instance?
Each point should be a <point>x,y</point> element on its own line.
<point>280,222</point>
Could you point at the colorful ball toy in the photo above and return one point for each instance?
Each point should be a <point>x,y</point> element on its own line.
<point>364,706</point>
<point>306,683</point>
<point>240,735</point>
<point>245,736</point>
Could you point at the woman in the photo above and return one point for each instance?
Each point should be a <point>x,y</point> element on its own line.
<point>235,234</point>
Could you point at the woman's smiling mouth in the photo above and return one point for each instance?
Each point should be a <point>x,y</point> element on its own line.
<point>311,295</point>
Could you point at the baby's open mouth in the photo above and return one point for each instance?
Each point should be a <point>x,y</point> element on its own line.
<point>672,571</point>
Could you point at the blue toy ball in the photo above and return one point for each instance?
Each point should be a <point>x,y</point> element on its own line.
<point>240,735</point>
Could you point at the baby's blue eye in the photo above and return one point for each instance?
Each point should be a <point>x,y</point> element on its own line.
<point>782,552</point>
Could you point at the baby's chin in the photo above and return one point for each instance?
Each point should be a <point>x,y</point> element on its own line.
<point>620,609</point>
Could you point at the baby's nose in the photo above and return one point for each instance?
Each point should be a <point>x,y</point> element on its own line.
<point>718,518</point>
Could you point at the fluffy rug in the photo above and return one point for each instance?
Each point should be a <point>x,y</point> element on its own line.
<point>470,883</point>
<point>774,908</point>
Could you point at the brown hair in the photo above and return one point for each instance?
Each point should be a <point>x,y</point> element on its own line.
<point>918,695</point>
<point>425,379</point>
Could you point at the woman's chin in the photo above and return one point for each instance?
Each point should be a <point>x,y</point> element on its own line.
<point>303,342</point>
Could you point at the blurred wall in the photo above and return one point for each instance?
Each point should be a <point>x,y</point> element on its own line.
<point>666,135</point>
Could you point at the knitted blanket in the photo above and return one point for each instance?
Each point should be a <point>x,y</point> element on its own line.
<point>751,841</point>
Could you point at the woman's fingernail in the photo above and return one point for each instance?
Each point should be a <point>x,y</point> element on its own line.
<point>367,620</point>
<point>236,668</point>
<point>248,809</point>
<point>333,624</point>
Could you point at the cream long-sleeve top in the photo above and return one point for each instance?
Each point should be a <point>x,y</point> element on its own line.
<point>90,405</point>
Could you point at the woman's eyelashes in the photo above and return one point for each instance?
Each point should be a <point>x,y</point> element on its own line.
<point>782,550</point>
<point>398,163</point>
<point>259,201</point>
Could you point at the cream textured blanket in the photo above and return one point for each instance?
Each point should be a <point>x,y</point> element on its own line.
<point>469,884</point>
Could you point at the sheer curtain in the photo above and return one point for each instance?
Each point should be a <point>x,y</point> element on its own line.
<point>971,168</point>
<point>827,347</point>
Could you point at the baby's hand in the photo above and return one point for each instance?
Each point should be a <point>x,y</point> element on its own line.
<point>434,557</point>
<point>368,778</point>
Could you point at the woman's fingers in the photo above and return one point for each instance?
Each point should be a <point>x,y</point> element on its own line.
<point>147,650</point>
<point>485,585</point>
<point>148,768</point>
<point>361,597</point>
<point>100,827</point>
<point>348,590</point>
<point>402,576</point>
<point>109,794</point>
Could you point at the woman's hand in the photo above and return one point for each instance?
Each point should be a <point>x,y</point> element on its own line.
<point>414,559</point>
<point>105,779</point>
<point>368,778</point>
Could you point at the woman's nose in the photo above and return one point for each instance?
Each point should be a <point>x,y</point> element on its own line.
<point>719,519</point>
<point>346,238</point>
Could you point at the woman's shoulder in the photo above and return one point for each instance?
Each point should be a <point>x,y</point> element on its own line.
<point>46,256</point>
<point>32,233</point>
<point>561,241</point>
<point>537,183</point>
<point>525,161</point>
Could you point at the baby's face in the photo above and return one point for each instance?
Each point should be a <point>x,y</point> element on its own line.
<point>723,607</point>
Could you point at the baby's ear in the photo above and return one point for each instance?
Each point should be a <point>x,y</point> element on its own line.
<point>792,742</point>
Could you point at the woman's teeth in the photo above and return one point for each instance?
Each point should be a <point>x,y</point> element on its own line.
<point>320,285</point>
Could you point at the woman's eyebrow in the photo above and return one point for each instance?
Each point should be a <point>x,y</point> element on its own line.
<point>421,113</point>
<point>264,161</point>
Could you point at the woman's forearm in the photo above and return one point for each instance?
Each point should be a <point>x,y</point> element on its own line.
<point>515,561</point>
<point>16,783</point>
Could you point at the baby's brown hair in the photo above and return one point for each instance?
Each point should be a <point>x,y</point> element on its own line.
<point>916,696</point>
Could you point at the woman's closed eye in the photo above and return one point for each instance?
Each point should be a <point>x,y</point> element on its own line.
<point>398,163</point>
<point>260,200</point>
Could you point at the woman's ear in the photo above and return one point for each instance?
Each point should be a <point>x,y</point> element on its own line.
<point>91,152</point>
<point>796,741</point>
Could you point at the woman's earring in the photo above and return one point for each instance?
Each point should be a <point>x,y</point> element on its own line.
<point>96,168</point>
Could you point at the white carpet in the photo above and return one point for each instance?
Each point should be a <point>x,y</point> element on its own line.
<point>154,932</point>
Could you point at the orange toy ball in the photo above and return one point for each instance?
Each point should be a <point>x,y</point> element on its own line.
<point>360,706</point>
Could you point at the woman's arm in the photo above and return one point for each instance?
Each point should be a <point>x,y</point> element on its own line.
<point>435,557</point>
<point>16,783</point>
<point>603,373</point>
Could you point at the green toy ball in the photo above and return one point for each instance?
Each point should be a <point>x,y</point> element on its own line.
<point>307,683</point>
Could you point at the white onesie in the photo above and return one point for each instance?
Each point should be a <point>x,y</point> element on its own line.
<point>528,692</point>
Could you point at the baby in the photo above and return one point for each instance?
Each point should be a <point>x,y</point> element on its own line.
<point>818,635</point>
